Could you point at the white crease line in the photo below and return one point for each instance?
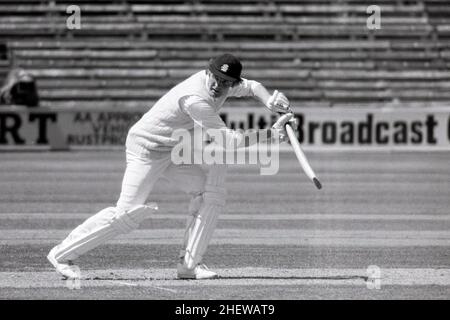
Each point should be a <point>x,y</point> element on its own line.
<point>139,285</point>
<point>165,289</point>
<point>161,278</point>
<point>115,282</point>
<point>124,283</point>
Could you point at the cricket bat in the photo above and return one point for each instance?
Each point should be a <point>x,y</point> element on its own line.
<point>301,157</point>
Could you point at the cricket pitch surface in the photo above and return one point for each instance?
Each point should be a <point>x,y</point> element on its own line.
<point>379,229</point>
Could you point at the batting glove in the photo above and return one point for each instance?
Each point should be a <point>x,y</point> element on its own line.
<point>279,125</point>
<point>278,102</point>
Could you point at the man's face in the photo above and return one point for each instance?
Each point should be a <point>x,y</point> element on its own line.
<point>217,87</point>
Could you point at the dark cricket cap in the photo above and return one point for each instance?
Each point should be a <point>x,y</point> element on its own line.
<point>226,66</point>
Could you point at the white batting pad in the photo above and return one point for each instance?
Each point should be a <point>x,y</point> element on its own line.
<point>105,225</point>
<point>203,222</point>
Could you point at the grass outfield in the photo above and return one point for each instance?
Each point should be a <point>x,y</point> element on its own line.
<point>279,237</point>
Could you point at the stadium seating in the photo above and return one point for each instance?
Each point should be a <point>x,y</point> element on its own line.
<point>4,61</point>
<point>320,53</point>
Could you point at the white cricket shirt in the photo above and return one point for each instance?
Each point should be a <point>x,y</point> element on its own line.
<point>187,103</point>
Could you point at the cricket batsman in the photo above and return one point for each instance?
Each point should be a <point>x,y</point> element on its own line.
<point>195,101</point>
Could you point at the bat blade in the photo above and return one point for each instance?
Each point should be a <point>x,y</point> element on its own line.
<point>301,157</point>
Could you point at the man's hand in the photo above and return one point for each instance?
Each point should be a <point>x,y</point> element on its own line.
<point>278,103</point>
<point>279,126</point>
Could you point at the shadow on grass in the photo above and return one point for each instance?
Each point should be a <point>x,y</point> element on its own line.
<point>112,278</point>
<point>297,278</point>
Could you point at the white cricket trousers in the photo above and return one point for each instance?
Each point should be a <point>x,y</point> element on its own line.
<point>144,168</point>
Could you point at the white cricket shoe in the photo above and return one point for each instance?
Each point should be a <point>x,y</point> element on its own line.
<point>198,273</point>
<point>66,270</point>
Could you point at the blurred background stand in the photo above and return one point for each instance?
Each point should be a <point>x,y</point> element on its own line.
<point>19,88</point>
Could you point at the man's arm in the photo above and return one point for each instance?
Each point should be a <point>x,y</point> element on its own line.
<point>261,92</point>
<point>276,102</point>
<point>204,116</point>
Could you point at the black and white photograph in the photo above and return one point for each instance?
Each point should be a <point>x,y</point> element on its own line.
<point>235,152</point>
